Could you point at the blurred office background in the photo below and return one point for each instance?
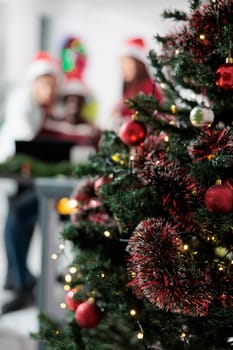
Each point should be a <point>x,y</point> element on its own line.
<point>29,25</point>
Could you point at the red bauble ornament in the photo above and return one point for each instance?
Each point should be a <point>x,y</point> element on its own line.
<point>70,302</point>
<point>219,199</point>
<point>88,314</point>
<point>224,76</point>
<point>132,133</point>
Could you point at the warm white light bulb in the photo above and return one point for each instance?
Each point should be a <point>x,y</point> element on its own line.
<point>140,335</point>
<point>68,278</point>
<point>73,269</point>
<point>107,233</point>
<point>133,312</point>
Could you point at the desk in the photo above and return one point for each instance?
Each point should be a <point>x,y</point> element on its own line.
<point>49,190</point>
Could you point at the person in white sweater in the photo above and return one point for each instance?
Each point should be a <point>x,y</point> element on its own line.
<point>29,103</point>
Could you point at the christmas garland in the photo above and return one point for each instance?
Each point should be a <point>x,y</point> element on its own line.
<point>25,166</point>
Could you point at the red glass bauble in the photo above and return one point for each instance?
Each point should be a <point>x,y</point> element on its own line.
<point>219,199</point>
<point>132,133</point>
<point>224,76</point>
<point>88,314</point>
<point>71,303</point>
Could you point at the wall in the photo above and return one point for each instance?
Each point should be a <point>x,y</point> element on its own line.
<point>21,36</point>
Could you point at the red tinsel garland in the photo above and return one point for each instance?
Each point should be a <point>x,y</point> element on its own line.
<point>206,20</point>
<point>160,273</point>
<point>212,143</point>
<point>177,190</point>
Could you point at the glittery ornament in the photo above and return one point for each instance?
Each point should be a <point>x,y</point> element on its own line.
<point>201,116</point>
<point>219,199</point>
<point>88,314</point>
<point>224,75</point>
<point>132,133</point>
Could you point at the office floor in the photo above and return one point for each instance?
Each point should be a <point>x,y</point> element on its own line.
<point>15,327</point>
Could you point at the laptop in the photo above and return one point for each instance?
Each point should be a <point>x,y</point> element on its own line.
<point>46,150</point>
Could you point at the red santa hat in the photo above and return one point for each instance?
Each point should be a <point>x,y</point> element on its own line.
<point>135,47</point>
<point>74,86</point>
<point>42,64</point>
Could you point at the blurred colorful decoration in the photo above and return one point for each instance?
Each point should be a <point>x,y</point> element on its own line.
<point>73,57</point>
<point>66,206</point>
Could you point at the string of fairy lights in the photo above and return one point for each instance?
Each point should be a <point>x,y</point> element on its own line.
<point>65,205</point>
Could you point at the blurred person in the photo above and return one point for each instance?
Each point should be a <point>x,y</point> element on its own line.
<point>29,104</point>
<point>26,110</point>
<point>136,77</point>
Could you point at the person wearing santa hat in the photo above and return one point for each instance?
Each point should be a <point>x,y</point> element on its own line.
<point>29,103</point>
<point>136,77</point>
<point>25,112</point>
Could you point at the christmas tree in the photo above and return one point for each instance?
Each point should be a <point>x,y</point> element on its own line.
<point>152,230</point>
